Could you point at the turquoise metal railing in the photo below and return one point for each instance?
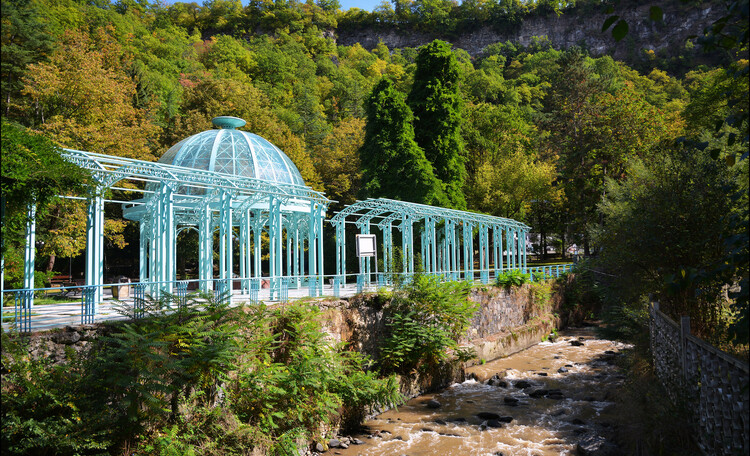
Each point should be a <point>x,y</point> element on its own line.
<point>27,316</point>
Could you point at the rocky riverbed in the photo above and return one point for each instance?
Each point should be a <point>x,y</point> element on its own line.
<point>556,398</point>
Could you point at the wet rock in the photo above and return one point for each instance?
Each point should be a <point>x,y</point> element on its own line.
<point>440,422</point>
<point>539,393</point>
<point>398,437</point>
<point>558,357</point>
<point>541,374</point>
<point>357,442</point>
<point>334,443</point>
<point>433,404</point>
<point>509,400</point>
<point>344,446</point>
<point>488,415</point>
<point>469,402</point>
<point>505,419</point>
<point>426,429</point>
<point>497,380</point>
<point>523,384</point>
<point>494,423</point>
<point>457,420</point>
<point>555,395</point>
<point>609,352</point>
<point>319,447</point>
<point>576,343</point>
<point>568,365</point>
<point>562,370</point>
<point>594,445</point>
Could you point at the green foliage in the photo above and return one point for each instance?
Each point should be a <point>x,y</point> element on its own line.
<point>435,100</point>
<point>512,278</point>
<point>426,318</point>
<point>663,228</point>
<point>193,377</point>
<point>33,173</point>
<point>42,412</point>
<point>292,381</point>
<point>389,155</point>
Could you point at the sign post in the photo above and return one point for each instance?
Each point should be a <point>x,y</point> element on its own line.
<point>367,248</point>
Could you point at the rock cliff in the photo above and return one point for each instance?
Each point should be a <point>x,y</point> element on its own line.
<point>570,29</point>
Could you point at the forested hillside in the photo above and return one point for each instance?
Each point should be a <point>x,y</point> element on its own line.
<point>642,165</point>
<point>534,133</point>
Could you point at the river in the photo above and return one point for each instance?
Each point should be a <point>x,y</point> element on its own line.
<point>546,400</point>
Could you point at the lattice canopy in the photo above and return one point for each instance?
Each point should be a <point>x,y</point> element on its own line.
<point>234,152</point>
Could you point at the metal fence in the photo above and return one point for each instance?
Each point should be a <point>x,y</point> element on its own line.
<point>82,304</point>
<point>712,383</point>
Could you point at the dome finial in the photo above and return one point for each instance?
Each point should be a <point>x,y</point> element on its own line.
<point>228,122</point>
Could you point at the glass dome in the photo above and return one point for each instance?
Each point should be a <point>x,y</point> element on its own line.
<point>235,152</point>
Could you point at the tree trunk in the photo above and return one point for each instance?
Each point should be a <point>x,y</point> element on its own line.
<point>51,262</point>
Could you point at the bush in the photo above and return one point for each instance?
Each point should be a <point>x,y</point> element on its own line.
<point>510,279</point>
<point>426,319</point>
<point>197,378</point>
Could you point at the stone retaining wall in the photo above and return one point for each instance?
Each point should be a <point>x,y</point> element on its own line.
<point>714,384</point>
<point>505,323</point>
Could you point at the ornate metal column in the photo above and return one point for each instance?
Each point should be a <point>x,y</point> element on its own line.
<point>225,241</point>
<point>95,245</point>
<point>205,248</point>
<point>275,228</point>
<point>29,253</point>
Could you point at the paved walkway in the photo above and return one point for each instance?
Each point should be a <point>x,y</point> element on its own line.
<point>58,315</point>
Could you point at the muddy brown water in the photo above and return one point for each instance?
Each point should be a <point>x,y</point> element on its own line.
<point>471,418</point>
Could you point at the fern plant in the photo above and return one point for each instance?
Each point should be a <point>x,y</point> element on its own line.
<point>510,279</point>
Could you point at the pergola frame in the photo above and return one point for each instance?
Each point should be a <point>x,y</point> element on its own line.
<point>440,252</point>
<point>179,198</point>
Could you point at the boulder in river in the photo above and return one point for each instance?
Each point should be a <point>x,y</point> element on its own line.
<point>538,393</point>
<point>541,374</point>
<point>594,445</point>
<point>562,370</point>
<point>488,415</point>
<point>494,423</point>
<point>523,384</point>
<point>433,404</point>
<point>334,443</point>
<point>510,400</point>
<point>576,343</point>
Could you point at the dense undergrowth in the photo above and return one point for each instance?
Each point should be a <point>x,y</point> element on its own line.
<point>201,378</point>
<point>204,379</point>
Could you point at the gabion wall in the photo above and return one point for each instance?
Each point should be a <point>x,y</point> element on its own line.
<point>712,383</point>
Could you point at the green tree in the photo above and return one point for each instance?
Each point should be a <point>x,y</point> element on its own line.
<point>393,165</point>
<point>33,172</point>
<point>663,226</point>
<point>435,100</point>
<point>83,98</point>
<point>25,40</point>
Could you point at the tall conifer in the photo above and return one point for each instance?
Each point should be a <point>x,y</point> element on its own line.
<point>393,165</point>
<point>435,100</point>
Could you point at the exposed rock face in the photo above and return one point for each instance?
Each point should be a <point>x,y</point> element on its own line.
<point>573,28</point>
